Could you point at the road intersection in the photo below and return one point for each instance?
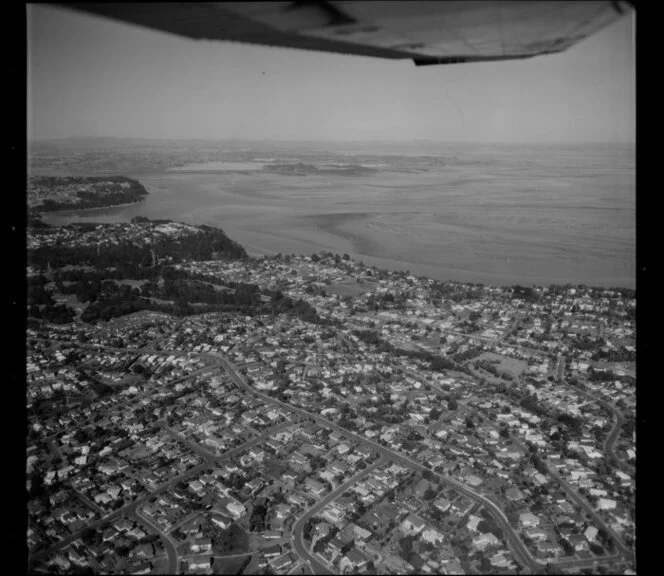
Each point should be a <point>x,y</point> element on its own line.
<point>516,545</point>
<point>298,526</point>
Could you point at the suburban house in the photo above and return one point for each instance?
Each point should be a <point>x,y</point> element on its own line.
<point>414,524</point>
<point>354,560</point>
<point>201,545</point>
<point>198,562</point>
<point>483,541</point>
<point>528,520</point>
<point>315,487</point>
<point>442,504</point>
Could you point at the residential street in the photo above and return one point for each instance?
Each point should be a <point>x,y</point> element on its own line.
<point>128,509</point>
<point>521,552</point>
<point>516,545</point>
<point>574,495</point>
<point>169,543</point>
<point>298,542</point>
<point>216,361</point>
<point>133,507</point>
<point>578,499</point>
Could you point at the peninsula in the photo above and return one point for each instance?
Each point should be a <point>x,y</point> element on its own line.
<point>51,193</point>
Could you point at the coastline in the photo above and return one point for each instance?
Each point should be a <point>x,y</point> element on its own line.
<point>440,225</point>
<point>267,242</point>
<point>274,242</point>
<point>73,211</point>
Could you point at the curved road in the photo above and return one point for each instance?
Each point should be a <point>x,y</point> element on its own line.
<point>521,553</point>
<point>298,526</point>
<point>574,495</point>
<point>168,541</point>
<point>611,438</point>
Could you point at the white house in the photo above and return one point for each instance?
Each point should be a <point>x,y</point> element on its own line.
<point>414,524</point>
<point>528,519</point>
<point>483,541</point>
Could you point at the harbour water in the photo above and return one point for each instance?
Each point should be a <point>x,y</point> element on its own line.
<point>501,215</point>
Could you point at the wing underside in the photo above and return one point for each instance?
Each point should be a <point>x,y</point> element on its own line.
<point>443,32</point>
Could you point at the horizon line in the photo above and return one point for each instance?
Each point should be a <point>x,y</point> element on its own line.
<point>332,141</point>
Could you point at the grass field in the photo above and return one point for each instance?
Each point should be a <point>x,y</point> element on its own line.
<point>231,541</point>
<point>512,365</point>
<point>227,565</point>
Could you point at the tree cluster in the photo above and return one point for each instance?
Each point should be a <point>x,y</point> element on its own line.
<point>257,519</point>
<point>58,314</point>
<point>525,293</point>
<point>468,354</point>
<point>206,244</point>
<point>436,363</point>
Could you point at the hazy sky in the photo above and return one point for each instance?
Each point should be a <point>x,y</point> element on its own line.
<point>93,77</point>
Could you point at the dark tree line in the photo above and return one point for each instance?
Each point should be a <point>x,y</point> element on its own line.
<point>525,293</point>
<point>207,244</point>
<point>37,294</point>
<point>619,355</point>
<point>467,355</point>
<point>42,306</point>
<point>456,292</point>
<point>58,314</point>
<point>107,299</point>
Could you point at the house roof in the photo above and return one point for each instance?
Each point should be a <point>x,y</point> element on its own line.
<point>576,539</point>
<point>355,556</point>
<point>415,520</point>
<point>271,550</point>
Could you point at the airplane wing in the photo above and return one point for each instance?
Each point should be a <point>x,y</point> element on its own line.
<point>441,32</point>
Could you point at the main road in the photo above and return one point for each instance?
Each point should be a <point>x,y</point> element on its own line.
<point>521,553</point>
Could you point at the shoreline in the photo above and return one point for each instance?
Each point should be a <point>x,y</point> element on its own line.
<point>267,243</point>
<point>73,211</point>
